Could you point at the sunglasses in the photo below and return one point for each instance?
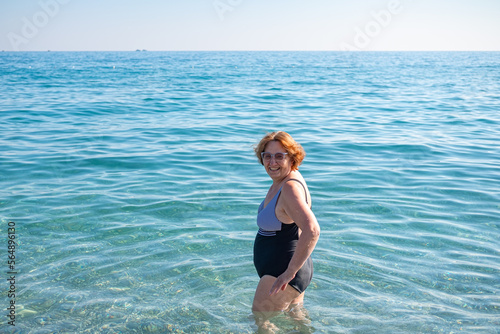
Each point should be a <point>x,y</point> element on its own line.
<point>278,157</point>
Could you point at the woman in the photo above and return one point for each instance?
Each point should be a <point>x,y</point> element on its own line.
<point>288,229</point>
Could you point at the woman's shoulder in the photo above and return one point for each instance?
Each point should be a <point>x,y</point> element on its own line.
<point>296,187</point>
<point>296,179</point>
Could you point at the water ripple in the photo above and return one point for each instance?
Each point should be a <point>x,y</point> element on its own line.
<point>133,185</point>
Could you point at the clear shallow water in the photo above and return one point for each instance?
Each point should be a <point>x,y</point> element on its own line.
<point>131,180</point>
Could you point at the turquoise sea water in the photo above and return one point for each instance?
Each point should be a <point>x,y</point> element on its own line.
<point>132,183</point>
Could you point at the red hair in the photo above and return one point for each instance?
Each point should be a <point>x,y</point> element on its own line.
<point>294,149</point>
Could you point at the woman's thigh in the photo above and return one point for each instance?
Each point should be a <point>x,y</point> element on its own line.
<point>262,302</point>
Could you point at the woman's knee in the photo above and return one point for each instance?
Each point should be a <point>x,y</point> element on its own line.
<point>264,305</point>
<point>263,302</point>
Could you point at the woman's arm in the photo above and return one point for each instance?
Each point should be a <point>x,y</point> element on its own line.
<point>295,206</point>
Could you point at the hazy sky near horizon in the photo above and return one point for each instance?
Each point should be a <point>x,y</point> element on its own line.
<point>368,25</point>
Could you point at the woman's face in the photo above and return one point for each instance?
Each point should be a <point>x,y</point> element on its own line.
<point>275,168</point>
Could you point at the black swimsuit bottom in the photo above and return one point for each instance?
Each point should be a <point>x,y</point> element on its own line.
<point>272,254</point>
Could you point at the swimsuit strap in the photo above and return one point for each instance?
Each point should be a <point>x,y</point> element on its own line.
<point>303,186</point>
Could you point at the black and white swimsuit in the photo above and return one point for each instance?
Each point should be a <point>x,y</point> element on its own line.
<point>275,245</point>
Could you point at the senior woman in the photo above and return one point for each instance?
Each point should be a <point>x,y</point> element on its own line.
<point>288,229</point>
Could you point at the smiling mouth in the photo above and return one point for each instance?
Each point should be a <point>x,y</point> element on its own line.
<point>274,169</point>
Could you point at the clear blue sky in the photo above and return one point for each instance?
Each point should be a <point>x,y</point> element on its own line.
<point>369,25</point>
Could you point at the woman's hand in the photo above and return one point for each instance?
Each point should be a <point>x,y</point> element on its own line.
<point>281,282</point>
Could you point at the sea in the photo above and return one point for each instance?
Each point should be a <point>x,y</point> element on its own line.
<point>130,188</point>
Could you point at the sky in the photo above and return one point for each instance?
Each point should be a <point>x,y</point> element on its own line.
<point>308,25</point>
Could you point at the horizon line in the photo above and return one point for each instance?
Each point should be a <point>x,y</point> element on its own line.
<point>342,51</point>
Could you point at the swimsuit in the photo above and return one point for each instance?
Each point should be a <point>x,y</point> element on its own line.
<point>275,245</point>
